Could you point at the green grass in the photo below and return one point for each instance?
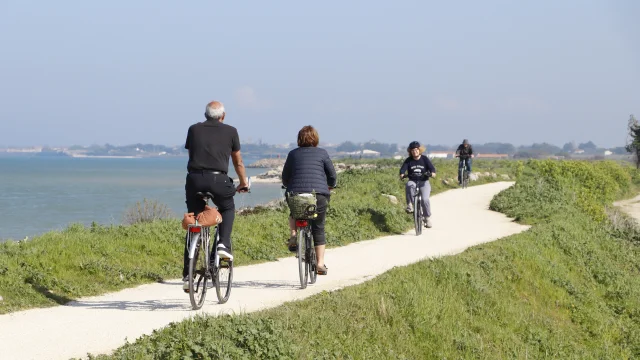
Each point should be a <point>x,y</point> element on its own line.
<point>567,289</point>
<point>82,261</point>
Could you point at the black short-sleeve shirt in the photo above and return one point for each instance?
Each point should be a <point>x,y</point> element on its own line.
<point>210,144</point>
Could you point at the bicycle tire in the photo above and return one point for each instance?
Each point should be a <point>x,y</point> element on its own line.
<point>198,273</point>
<point>223,276</point>
<point>466,178</point>
<point>417,213</point>
<point>312,261</point>
<point>302,266</point>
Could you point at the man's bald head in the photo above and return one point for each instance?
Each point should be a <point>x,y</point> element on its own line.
<point>215,111</point>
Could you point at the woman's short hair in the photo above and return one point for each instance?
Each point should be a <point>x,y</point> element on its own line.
<point>308,137</point>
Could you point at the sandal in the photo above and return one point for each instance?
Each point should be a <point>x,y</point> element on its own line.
<point>292,243</point>
<point>322,270</point>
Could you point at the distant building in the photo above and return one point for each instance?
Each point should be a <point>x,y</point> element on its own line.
<point>608,153</point>
<point>364,153</point>
<point>439,155</point>
<point>493,156</point>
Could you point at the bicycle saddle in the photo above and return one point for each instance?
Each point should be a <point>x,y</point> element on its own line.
<point>206,195</point>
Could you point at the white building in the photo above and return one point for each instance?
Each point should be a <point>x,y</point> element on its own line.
<point>439,155</point>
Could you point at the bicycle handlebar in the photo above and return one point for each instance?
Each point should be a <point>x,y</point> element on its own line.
<point>424,176</point>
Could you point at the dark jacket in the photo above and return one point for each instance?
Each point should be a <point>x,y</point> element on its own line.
<point>417,169</point>
<point>464,152</point>
<point>309,169</point>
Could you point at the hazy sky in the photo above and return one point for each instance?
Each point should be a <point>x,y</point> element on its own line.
<point>84,72</point>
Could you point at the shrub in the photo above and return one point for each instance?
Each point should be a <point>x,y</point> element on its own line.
<point>147,211</point>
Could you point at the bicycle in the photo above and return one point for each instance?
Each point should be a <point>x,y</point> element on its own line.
<point>464,170</point>
<point>201,268</point>
<point>417,206</point>
<point>306,252</point>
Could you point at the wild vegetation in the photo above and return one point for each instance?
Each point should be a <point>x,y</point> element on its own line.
<point>567,289</point>
<point>81,261</point>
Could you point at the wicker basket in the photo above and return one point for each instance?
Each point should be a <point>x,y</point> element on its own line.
<point>302,206</point>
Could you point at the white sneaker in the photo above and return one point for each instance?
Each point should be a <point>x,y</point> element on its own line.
<point>427,222</point>
<point>409,208</point>
<point>185,286</point>
<point>224,253</point>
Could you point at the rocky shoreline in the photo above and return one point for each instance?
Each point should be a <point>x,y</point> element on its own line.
<point>274,174</point>
<point>268,163</point>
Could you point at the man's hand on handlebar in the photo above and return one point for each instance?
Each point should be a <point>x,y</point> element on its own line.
<point>244,186</point>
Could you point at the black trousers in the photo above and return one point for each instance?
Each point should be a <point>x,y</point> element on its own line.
<point>222,188</point>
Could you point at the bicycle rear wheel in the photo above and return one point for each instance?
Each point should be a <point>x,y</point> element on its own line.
<point>302,266</point>
<point>312,261</point>
<point>198,269</point>
<point>417,213</point>
<point>223,274</point>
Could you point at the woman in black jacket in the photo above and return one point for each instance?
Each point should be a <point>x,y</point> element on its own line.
<point>308,169</point>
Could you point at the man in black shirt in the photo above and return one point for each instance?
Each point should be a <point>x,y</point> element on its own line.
<point>419,169</point>
<point>465,153</point>
<point>210,144</point>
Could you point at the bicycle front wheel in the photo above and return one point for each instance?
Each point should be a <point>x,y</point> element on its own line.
<point>198,269</point>
<point>223,276</point>
<point>417,213</point>
<point>302,266</point>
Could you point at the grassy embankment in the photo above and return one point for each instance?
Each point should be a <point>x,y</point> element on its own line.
<point>567,289</point>
<point>81,261</point>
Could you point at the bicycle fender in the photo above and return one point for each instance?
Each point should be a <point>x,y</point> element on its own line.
<point>194,243</point>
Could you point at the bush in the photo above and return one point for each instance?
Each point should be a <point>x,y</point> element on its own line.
<point>546,187</point>
<point>147,211</point>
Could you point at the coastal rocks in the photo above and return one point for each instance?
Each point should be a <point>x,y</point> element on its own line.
<point>392,199</point>
<point>473,177</point>
<point>270,206</point>
<point>268,163</point>
<point>273,174</point>
<point>340,167</point>
<point>505,177</point>
<point>276,165</point>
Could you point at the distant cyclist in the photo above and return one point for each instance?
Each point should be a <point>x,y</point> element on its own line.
<point>418,168</point>
<point>465,153</point>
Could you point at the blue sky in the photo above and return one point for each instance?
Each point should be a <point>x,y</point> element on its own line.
<point>80,72</point>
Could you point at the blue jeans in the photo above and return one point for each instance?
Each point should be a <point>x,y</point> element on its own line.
<point>461,166</point>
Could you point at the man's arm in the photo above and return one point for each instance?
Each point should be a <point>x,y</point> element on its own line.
<point>238,165</point>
